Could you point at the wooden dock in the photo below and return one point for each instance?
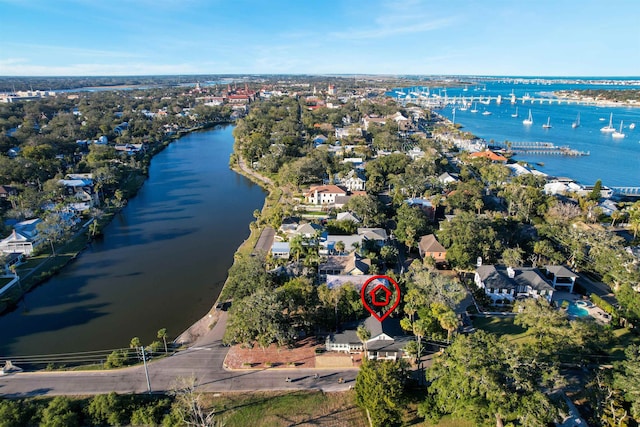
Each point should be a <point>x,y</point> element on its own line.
<point>540,149</point>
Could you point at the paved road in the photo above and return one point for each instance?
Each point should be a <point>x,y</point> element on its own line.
<point>265,241</point>
<point>204,360</point>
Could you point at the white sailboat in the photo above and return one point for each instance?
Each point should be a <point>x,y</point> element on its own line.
<point>618,134</point>
<point>515,115</point>
<point>475,108</point>
<point>548,124</point>
<point>528,120</point>
<point>609,128</point>
<point>577,122</point>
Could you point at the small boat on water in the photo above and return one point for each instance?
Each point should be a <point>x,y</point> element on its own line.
<point>548,124</point>
<point>486,113</point>
<point>577,122</point>
<point>475,108</point>
<point>632,126</point>
<point>608,128</point>
<point>528,120</point>
<point>515,115</point>
<point>618,134</point>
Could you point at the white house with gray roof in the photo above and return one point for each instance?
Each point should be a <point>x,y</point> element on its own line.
<point>505,283</point>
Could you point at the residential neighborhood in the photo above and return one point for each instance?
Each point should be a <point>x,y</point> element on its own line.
<point>363,187</point>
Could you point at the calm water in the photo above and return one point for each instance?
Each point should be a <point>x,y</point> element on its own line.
<point>161,263</point>
<point>615,161</point>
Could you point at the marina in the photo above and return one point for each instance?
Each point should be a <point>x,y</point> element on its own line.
<point>581,150</point>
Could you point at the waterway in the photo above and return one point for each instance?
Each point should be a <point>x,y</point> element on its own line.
<point>161,264</point>
<point>615,161</point>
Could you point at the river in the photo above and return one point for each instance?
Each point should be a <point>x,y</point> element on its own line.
<point>161,264</point>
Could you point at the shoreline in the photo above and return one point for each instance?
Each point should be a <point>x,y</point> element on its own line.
<point>74,247</point>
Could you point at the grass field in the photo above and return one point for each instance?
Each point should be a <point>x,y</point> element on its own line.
<point>306,408</point>
<point>501,326</point>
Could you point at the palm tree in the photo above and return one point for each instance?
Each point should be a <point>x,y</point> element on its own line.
<point>162,333</point>
<point>339,247</point>
<point>449,321</point>
<point>296,247</point>
<point>615,216</point>
<point>363,335</point>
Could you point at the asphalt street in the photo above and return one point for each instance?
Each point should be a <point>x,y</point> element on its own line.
<point>204,360</point>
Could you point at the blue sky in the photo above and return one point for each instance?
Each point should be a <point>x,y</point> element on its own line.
<point>490,37</point>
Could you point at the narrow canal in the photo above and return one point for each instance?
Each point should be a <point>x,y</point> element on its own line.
<point>161,264</point>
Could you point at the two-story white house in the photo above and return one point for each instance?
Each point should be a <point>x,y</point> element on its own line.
<point>324,194</point>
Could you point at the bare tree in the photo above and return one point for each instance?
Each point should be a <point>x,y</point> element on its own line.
<point>191,406</point>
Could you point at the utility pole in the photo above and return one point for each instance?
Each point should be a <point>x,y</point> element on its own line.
<point>146,371</point>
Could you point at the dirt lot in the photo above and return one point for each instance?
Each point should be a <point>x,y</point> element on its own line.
<point>300,356</point>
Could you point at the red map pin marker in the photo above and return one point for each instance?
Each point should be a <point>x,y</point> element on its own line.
<point>376,294</point>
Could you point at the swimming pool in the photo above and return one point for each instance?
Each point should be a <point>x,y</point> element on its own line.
<point>577,308</point>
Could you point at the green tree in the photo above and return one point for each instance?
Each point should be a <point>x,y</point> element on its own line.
<point>379,387</point>
<point>595,193</point>
<point>482,379</point>
<point>626,378</point>
<point>513,257</point>
<point>116,359</point>
<point>258,318</point>
<point>60,412</point>
<point>411,222</point>
<point>54,228</point>
<point>13,413</point>
<point>107,409</point>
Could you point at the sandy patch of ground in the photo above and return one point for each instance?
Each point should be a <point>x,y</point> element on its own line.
<point>302,355</point>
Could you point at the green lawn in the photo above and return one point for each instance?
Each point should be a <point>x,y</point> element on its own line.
<point>501,326</point>
<point>623,338</point>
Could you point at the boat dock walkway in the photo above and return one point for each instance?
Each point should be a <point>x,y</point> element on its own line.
<point>540,148</point>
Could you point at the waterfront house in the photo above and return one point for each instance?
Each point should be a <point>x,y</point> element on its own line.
<point>80,187</point>
<point>489,155</point>
<point>608,207</point>
<point>353,265</point>
<point>506,283</point>
<point>387,341</point>
<point>430,247</point>
<point>324,194</point>
<point>334,281</point>
<point>24,238</point>
<point>280,250</point>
